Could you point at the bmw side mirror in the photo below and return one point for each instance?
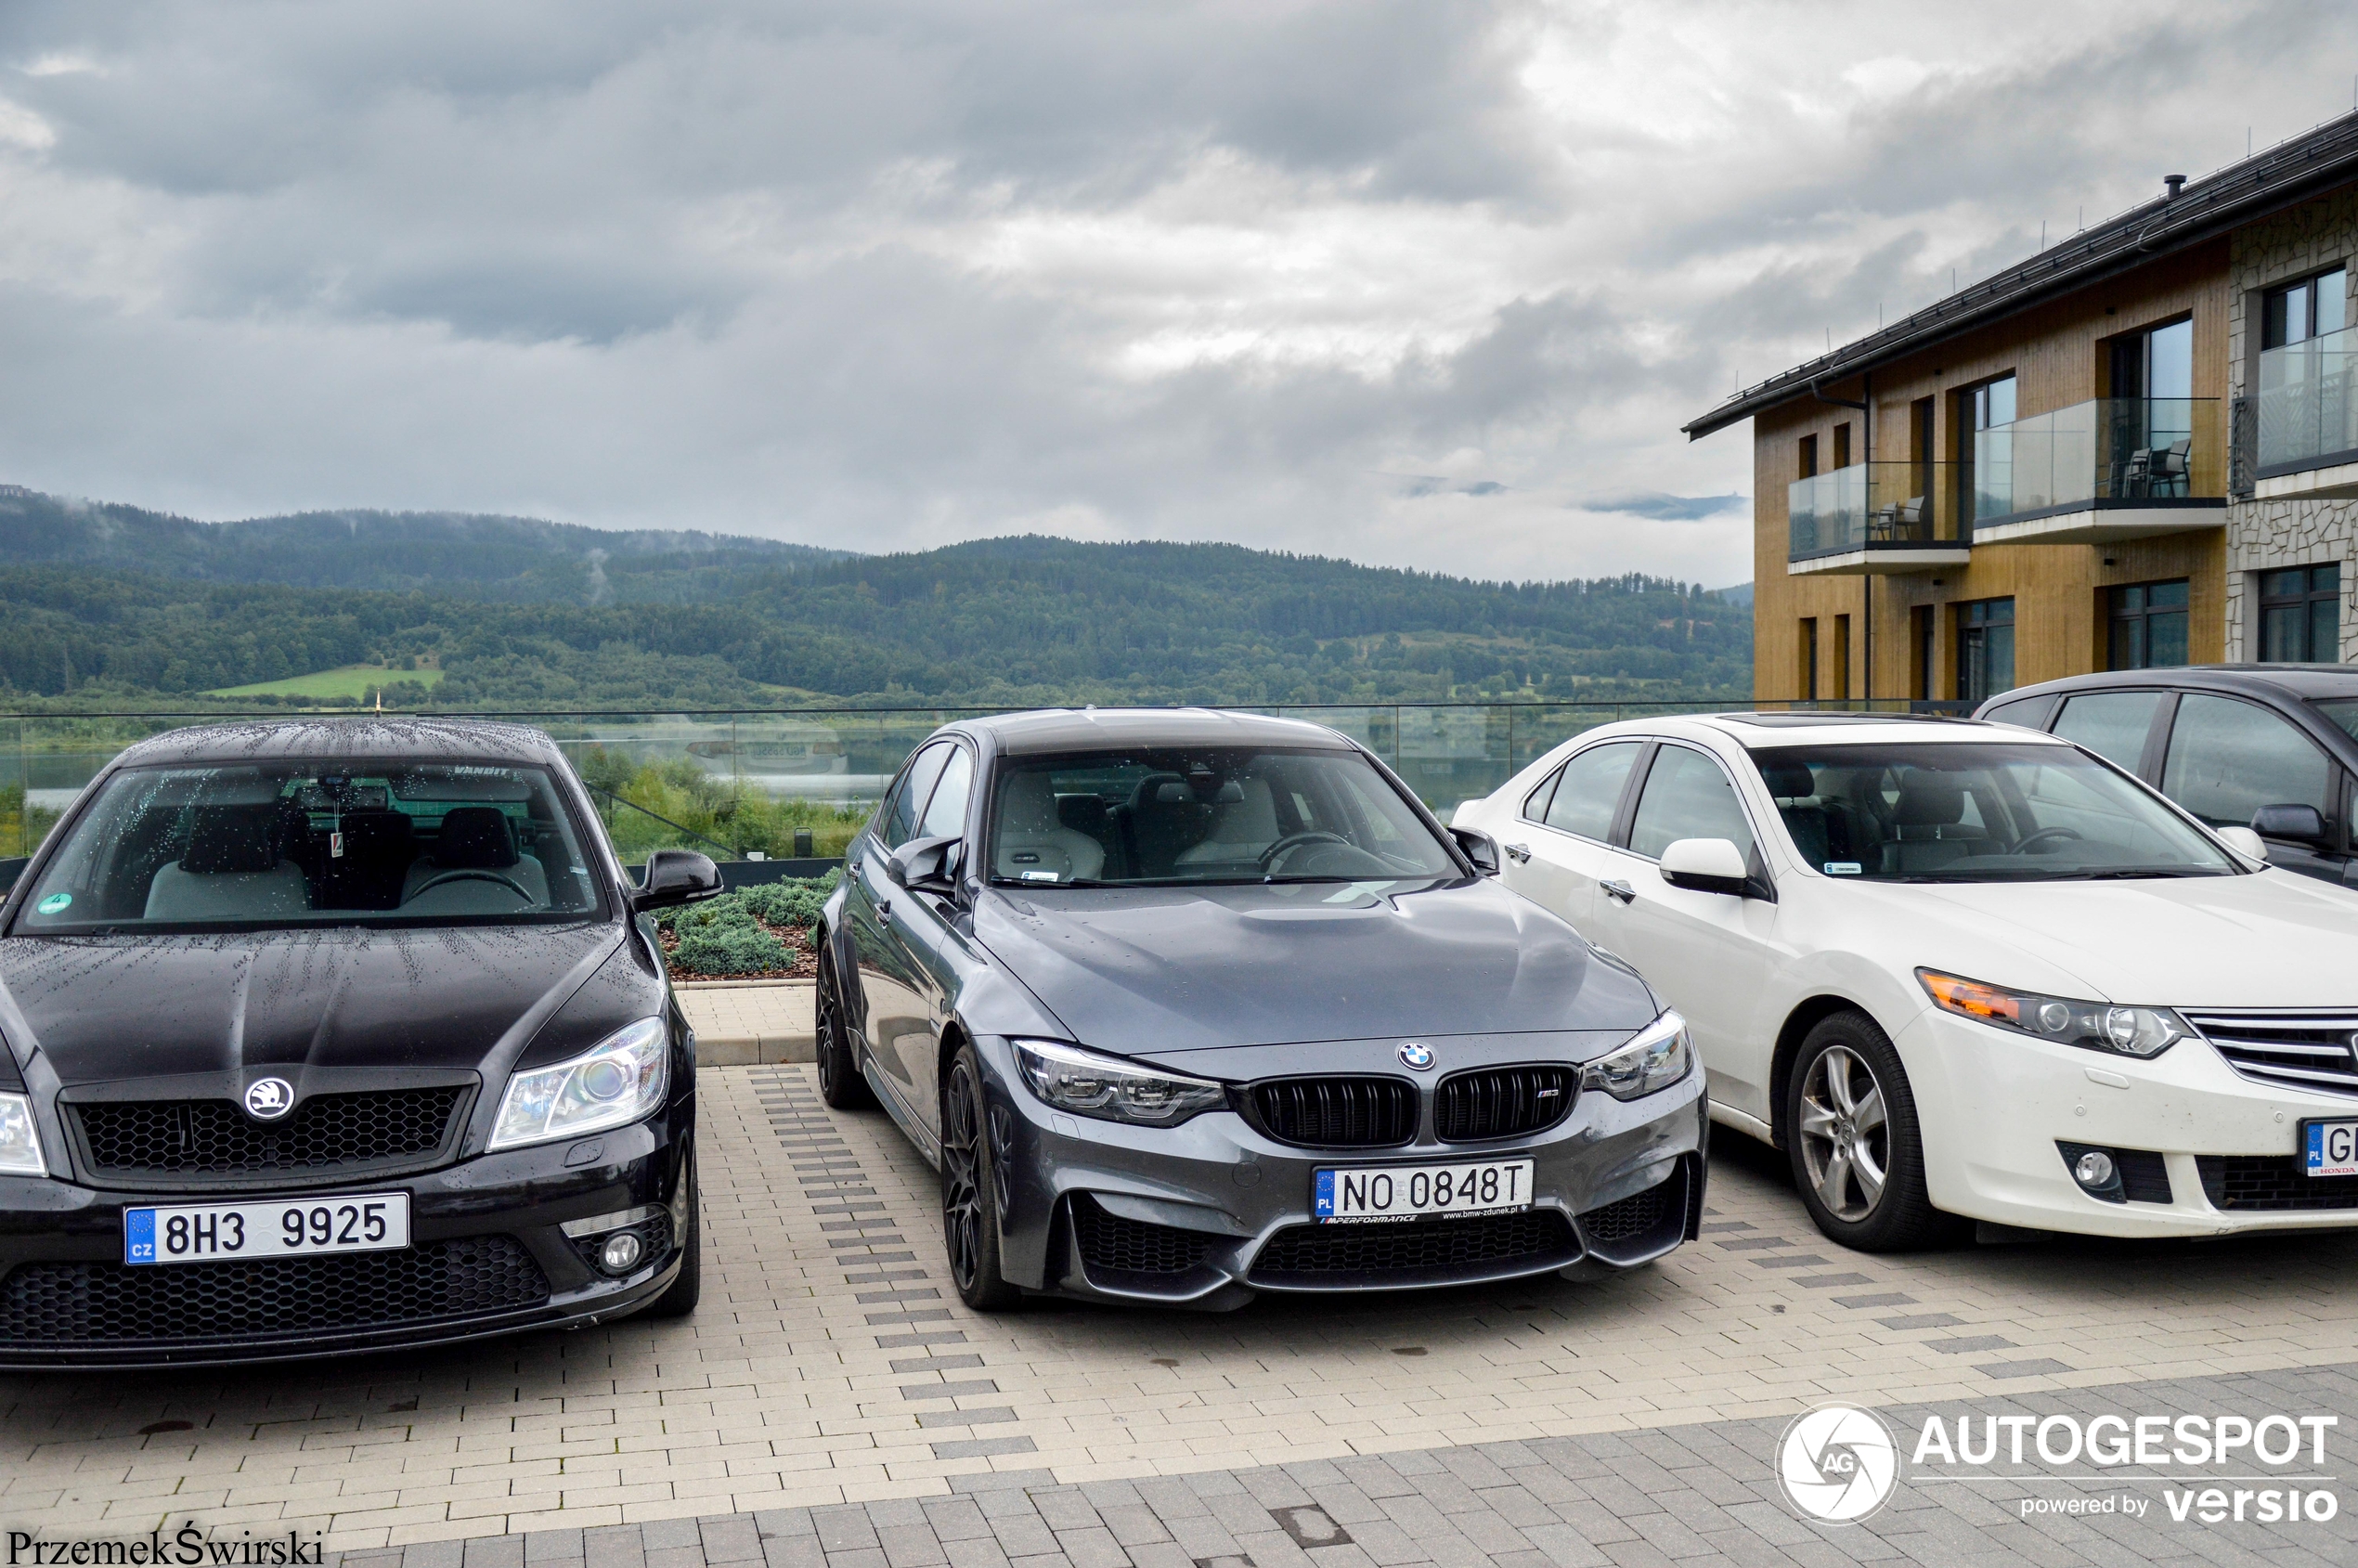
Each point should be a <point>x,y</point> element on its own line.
<point>1705,865</point>
<point>1479,848</point>
<point>676,876</point>
<point>2302,825</point>
<point>927,865</point>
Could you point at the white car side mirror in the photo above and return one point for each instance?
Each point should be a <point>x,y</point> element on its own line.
<point>2242,841</point>
<point>1706,865</point>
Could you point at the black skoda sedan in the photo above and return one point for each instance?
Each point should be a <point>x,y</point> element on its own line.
<point>1187,1007</point>
<point>325,1037</point>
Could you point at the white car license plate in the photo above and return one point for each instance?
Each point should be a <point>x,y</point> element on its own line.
<point>280,1228</point>
<point>1365,1194</point>
<point>2332,1147</point>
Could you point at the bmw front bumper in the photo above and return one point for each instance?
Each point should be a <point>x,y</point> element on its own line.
<point>490,1254</point>
<point>1213,1211</point>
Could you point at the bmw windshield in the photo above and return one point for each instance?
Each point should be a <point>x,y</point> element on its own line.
<point>1206,815</point>
<point>1978,811</point>
<point>306,844</point>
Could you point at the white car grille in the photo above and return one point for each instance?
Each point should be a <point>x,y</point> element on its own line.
<point>2314,1051</point>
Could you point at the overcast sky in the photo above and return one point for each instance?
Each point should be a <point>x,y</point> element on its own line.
<point>1419,283</point>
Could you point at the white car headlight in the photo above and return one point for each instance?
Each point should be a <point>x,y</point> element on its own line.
<point>19,1144</point>
<point>618,1081</point>
<point>1655,1059</point>
<point>1112,1090</point>
<point>2094,1026</point>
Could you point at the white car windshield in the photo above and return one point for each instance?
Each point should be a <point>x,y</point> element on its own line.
<point>1204,815</point>
<point>314,843</point>
<point>1977,812</point>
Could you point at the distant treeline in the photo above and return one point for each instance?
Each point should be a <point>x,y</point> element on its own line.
<point>1001,621</point>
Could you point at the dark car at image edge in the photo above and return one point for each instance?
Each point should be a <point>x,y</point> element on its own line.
<point>325,1037</point>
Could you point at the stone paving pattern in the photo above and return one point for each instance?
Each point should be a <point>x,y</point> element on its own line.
<point>831,1364</point>
<point>764,1021</point>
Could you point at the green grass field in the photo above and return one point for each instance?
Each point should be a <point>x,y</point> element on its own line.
<point>350,680</point>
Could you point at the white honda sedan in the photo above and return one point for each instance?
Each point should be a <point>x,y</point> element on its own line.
<point>1963,971</point>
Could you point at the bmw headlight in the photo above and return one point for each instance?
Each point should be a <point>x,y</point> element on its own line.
<point>618,1081</point>
<point>19,1144</point>
<point>2094,1026</point>
<point>1112,1090</point>
<point>1657,1057</point>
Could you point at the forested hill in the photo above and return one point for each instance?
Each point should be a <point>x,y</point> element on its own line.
<point>997,622</point>
<point>464,555</point>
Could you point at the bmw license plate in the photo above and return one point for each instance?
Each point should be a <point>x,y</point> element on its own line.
<point>1369,1194</point>
<point>2331,1147</point>
<point>284,1227</point>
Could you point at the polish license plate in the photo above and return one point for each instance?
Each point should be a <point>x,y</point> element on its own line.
<point>1370,1194</point>
<point>2331,1147</point>
<point>279,1227</point>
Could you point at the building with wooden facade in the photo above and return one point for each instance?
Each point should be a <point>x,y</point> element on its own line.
<point>2138,448</point>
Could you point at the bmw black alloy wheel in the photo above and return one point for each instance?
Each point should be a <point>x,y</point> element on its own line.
<point>839,1082</point>
<point>969,1203</point>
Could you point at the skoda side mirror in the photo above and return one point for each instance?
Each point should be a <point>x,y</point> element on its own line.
<point>1705,865</point>
<point>927,865</point>
<point>1479,848</point>
<point>676,876</point>
<point>2302,825</point>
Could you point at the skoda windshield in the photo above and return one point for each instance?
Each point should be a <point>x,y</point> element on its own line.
<point>290,843</point>
<point>1206,815</point>
<point>1977,811</point>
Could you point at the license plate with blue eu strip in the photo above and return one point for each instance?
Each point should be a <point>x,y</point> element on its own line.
<point>278,1228</point>
<point>2331,1147</point>
<point>1371,1194</point>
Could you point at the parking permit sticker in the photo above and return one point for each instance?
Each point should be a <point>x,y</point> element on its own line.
<point>1844,868</point>
<point>55,903</point>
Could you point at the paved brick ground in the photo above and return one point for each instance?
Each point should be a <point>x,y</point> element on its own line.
<point>830,1364</point>
<point>761,1021</point>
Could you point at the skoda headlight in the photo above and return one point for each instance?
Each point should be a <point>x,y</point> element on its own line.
<point>1657,1057</point>
<point>1112,1090</point>
<point>2095,1026</point>
<point>618,1083</point>
<point>19,1144</point>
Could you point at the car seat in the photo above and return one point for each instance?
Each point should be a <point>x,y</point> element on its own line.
<point>230,871</point>
<point>1032,842</point>
<point>477,838</point>
<point>1244,822</point>
<point>1928,805</point>
<point>377,852</point>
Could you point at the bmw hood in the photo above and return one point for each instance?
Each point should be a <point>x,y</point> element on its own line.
<point>101,1009</point>
<point>1160,969</point>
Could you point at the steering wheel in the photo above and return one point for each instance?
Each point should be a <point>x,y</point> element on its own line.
<point>2031,844</point>
<point>1294,841</point>
<point>474,875</point>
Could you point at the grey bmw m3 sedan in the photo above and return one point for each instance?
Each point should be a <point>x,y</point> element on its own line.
<point>1187,1007</point>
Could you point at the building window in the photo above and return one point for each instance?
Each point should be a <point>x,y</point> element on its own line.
<point>2307,309</point>
<point>1841,672</point>
<point>1842,444</point>
<point>1809,671</point>
<point>2148,426</point>
<point>2300,616</point>
<point>1985,649</point>
<point>1987,473</point>
<point>2149,625</point>
<point>1921,622</point>
<point>1808,457</point>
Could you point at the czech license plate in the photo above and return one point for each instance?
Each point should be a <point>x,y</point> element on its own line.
<point>2331,1147</point>
<point>1368,1194</point>
<point>280,1228</point>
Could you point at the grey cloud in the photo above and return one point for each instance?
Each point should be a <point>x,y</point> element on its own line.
<point>1667,509</point>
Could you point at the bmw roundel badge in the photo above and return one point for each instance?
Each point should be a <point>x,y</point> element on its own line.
<point>1416,1056</point>
<point>269,1098</point>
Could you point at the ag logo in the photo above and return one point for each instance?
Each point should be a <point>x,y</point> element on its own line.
<point>269,1098</point>
<point>1837,1463</point>
<point>1416,1056</point>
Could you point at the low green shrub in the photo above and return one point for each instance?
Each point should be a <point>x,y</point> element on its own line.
<point>731,949</point>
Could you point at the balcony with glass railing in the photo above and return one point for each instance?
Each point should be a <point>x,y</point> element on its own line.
<point>2111,468</point>
<point>2307,409</point>
<point>1874,517</point>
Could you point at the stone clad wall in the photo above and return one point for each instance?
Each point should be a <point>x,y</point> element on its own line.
<point>2262,536</point>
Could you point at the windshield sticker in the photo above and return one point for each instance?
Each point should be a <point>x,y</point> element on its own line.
<point>1844,868</point>
<point>1039,876</point>
<point>55,903</point>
